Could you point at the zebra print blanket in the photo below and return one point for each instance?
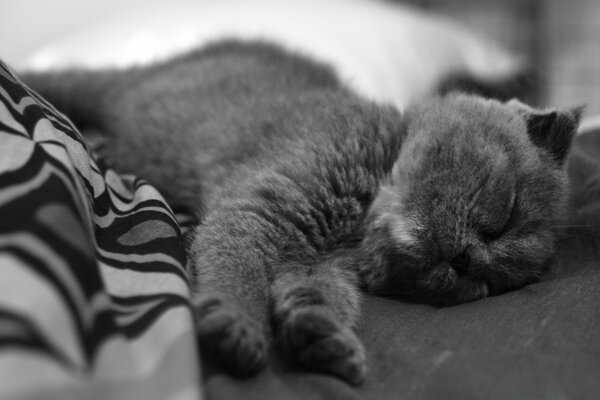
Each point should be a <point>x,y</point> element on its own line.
<point>93,290</point>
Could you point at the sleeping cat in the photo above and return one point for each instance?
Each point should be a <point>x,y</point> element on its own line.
<point>306,192</point>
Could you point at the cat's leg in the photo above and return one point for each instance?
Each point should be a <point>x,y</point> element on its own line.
<point>229,333</point>
<point>231,300</point>
<point>315,309</point>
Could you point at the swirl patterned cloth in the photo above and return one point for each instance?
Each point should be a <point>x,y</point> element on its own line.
<point>94,299</point>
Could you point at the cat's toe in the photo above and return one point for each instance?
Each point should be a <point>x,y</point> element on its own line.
<point>229,336</point>
<point>340,354</point>
<point>319,342</point>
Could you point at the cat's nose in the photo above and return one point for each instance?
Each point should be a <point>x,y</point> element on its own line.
<point>461,263</point>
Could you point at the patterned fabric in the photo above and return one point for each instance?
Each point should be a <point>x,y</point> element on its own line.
<point>94,300</point>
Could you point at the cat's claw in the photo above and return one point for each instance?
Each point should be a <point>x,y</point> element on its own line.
<point>230,336</point>
<point>319,342</point>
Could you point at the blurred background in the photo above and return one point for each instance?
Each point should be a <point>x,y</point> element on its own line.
<point>560,38</point>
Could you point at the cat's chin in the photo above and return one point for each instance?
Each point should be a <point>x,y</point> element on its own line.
<point>465,290</point>
<point>455,290</point>
<point>444,286</point>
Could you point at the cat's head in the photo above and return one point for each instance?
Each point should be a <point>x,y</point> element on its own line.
<point>471,205</point>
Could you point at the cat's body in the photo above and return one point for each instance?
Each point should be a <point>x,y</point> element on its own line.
<point>307,190</point>
<point>226,102</point>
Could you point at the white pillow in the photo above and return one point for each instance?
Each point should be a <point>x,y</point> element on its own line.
<point>384,51</point>
<point>589,124</point>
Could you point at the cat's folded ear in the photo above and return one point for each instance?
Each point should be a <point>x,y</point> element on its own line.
<point>551,129</point>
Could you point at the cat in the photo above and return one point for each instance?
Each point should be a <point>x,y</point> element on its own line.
<point>305,193</point>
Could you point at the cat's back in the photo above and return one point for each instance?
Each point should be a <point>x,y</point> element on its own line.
<point>221,97</point>
<point>225,73</point>
<point>204,113</point>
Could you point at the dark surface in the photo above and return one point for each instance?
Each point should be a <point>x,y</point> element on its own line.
<point>542,341</point>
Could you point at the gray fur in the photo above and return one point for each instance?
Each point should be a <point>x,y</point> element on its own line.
<point>307,191</point>
<point>470,183</point>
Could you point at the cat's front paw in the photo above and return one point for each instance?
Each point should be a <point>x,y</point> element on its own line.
<point>230,336</point>
<point>318,341</point>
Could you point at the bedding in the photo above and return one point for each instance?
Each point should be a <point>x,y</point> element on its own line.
<point>94,301</point>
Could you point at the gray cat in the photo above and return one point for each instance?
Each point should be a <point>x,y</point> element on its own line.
<point>306,192</point>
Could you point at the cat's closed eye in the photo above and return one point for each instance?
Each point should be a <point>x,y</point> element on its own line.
<point>502,223</point>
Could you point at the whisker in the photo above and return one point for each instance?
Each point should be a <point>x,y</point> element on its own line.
<point>404,292</point>
<point>408,281</point>
<point>576,236</point>
<point>570,226</point>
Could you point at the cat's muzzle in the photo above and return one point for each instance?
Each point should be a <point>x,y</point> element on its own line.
<point>451,285</point>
